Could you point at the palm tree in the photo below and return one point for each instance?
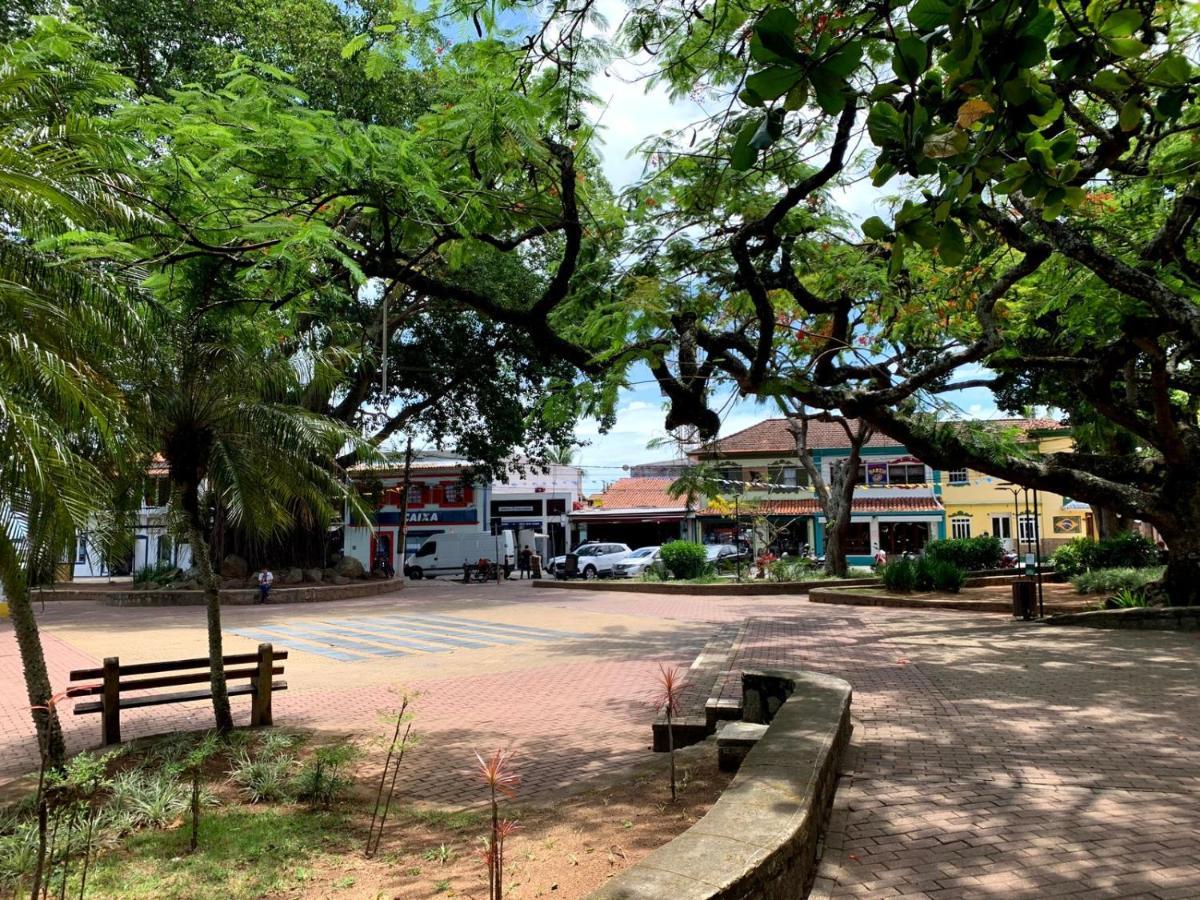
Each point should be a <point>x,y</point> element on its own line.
<point>224,408</point>
<point>61,323</point>
<point>693,485</point>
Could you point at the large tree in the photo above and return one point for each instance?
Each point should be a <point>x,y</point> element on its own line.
<point>65,328</point>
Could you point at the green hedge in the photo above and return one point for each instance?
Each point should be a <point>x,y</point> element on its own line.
<point>924,574</point>
<point>684,559</point>
<point>1124,551</point>
<point>969,554</point>
<point>1112,581</point>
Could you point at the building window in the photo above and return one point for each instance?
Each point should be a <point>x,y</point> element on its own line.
<point>452,493</point>
<point>958,476</point>
<point>906,473</point>
<point>787,476</point>
<point>1002,527</point>
<point>858,539</point>
<point>416,493</point>
<point>1028,529</point>
<point>960,527</point>
<point>163,552</point>
<point>81,549</point>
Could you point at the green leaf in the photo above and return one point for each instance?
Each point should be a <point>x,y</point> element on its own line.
<point>772,83</point>
<point>1028,50</point>
<point>946,144</point>
<point>1112,80</point>
<point>796,97</point>
<point>1126,48</point>
<point>929,15</point>
<point>896,262</point>
<point>1041,24</point>
<point>1172,69</point>
<point>910,59</point>
<point>355,44</point>
<point>845,61</point>
<point>951,247</point>
<point>882,174</point>
<point>885,124</point>
<point>1051,115</point>
<point>742,155</point>
<point>1121,24</point>
<point>876,229</point>
<point>1131,115</point>
<point>776,32</point>
<point>830,89</point>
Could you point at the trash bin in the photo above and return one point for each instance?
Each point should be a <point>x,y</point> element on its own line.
<point>1024,595</point>
<point>535,566</point>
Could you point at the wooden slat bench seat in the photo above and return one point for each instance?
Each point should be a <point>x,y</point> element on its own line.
<point>113,684</point>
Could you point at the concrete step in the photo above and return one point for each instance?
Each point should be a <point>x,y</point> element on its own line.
<point>692,723</point>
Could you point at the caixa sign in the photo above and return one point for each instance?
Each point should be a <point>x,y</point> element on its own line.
<point>430,517</point>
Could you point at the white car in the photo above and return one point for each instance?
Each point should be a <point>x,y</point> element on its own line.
<point>595,560</point>
<point>636,563</point>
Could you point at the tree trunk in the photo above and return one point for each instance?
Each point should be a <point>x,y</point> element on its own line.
<point>33,660</point>
<point>202,562</point>
<point>837,531</point>
<point>1181,582</point>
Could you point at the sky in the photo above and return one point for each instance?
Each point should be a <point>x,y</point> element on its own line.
<point>629,113</point>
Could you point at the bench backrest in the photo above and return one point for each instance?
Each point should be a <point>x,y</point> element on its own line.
<point>174,665</point>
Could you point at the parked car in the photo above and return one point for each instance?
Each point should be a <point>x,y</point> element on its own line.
<point>726,556</point>
<point>636,563</point>
<point>594,560</point>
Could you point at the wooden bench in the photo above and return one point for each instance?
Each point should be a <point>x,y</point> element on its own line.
<point>114,684</point>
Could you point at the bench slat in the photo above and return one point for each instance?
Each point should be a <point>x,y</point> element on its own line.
<point>169,681</point>
<point>82,709</point>
<point>174,665</point>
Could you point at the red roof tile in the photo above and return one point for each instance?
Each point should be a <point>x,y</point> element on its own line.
<point>639,493</point>
<point>775,436</point>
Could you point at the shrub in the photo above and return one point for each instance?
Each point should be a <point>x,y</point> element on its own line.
<point>262,779</point>
<point>947,576</point>
<point>157,573</point>
<point>968,554</point>
<point>684,559</point>
<point>1123,551</point>
<point>899,576</point>
<point>154,799</point>
<point>323,780</point>
<point>1127,599</point>
<point>1110,581</point>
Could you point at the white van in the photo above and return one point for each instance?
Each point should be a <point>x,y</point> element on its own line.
<point>445,554</point>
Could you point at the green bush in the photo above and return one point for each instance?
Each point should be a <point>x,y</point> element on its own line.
<point>324,780</point>
<point>899,576</point>
<point>948,577</point>
<point>684,559</point>
<point>1111,581</point>
<point>155,574</point>
<point>968,554</point>
<point>1124,551</point>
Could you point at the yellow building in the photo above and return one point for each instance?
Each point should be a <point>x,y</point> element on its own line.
<point>977,503</point>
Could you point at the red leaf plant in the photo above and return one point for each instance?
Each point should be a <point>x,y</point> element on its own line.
<point>670,690</point>
<point>498,774</point>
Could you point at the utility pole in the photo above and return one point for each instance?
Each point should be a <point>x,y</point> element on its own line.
<point>404,503</point>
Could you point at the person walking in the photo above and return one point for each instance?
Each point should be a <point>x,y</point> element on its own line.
<point>525,563</point>
<point>265,580</point>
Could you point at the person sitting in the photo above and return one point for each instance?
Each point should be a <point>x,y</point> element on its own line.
<point>265,580</point>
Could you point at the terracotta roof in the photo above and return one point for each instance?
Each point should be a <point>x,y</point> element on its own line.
<point>774,436</point>
<point>923,503</point>
<point>639,493</point>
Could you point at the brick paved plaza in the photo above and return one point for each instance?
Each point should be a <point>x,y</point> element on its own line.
<point>990,758</point>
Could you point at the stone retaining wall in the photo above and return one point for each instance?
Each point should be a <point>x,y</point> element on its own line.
<point>716,589</point>
<point>760,838</point>
<point>1163,618</point>
<point>308,593</point>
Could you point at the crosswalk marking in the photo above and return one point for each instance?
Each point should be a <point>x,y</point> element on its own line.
<point>356,638</point>
<point>499,627</point>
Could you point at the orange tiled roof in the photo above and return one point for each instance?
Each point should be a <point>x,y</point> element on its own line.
<point>639,493</point>
<point>775,436</point>
<point>924,503</point>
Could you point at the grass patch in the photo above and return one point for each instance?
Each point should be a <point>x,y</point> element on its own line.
<point>445,820</point>
<point>1112,581</point>
<point>243,853</point>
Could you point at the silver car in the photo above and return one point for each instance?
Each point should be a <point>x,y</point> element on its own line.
<point>636,563</point>
<point>595,560</point>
